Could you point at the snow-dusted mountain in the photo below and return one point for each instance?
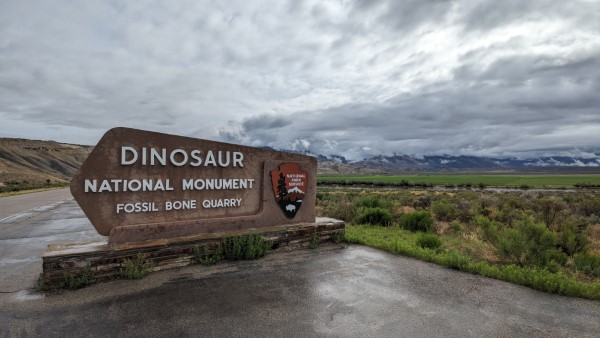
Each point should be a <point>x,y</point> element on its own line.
<point>36,161</point>
<point>403,163</point>
<point>295,190</point>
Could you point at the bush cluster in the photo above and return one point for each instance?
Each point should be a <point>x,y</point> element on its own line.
<point>202,255</point>
<point>371,201</point>
<point>137,268</point>
<point>429,241</point>
<point>248,246</point>
<point>587,263</point>
<point>375,216</point>
<point>80,281</point>
<point>417,221</point>
<point>444,211</point>
<point>530,243</point>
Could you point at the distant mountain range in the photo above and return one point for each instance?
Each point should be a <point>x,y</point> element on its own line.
<point>447,163</point>
<point>37,161</point>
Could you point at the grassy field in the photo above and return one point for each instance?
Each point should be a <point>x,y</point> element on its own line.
<point>531,180</point>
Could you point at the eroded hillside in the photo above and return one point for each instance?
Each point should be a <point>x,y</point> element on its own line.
<point>37,161</point>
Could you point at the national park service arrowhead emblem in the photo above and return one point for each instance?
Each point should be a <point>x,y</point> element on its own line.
<point>289,186</point>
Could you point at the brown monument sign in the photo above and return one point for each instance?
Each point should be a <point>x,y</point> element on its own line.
<point>138,185</point>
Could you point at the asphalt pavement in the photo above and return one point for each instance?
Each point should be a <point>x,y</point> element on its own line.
<point>25,235</point>
<point>12,205</point>
<point>332,291</point>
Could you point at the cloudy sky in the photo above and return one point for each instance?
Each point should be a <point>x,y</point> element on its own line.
<point>356,78</point>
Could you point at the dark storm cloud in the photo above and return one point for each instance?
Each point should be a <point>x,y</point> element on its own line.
<point>487,15</point>
<point>513,105</point>
<point>263,122</point>
<point>354,78</point>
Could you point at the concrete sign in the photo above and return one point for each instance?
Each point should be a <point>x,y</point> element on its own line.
<point>138,185</point>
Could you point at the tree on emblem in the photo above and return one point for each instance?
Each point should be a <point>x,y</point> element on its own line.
<point>281,188</point>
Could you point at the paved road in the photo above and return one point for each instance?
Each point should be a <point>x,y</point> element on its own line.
<point>12,205</point>
<point>55,218</point>
<point>331,291</point>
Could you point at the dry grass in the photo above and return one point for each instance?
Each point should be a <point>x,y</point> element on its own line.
<point>407,210</point>
<point>472,245</point>
<point>595,238</point>
<point>442,228</point>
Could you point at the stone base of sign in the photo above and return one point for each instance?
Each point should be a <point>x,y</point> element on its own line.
<point>105,261</point>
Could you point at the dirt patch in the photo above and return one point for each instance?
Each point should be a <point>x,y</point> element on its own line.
<point>408,210</point>
<point>442,228</point>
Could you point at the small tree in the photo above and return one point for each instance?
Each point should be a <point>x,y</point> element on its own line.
<point>281,187</point>
<point>549,209</point>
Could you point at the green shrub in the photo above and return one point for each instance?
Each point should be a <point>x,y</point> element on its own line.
<point>489,229</point>
<point>80,281</point>
<point>248,246</point>
<point>549,209</point>
<point>371,201</point>
<point>573,235</point>
<point>552,260</point>
<point>508,215</point>
<point>202,256</point>
<point>587,263</point>
<point>485,203</point>
<point>422,202</point>
<point>444,211</point>
<point>340,206</point>
<point>374,216</point>
<point>464,207</point>
<point>530,243</point>
<point>137,268</point>
<point>314,241</point>
<point>513,246</point>
<point>321,197</point>
<point>338,237</point>
<point>590,205</point>
<point>429,241</point>
<point>593,219</point>
<point>456,227</point>
<point>417,221</point>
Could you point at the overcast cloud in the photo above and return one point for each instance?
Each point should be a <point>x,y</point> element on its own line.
<point>355,78</point>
